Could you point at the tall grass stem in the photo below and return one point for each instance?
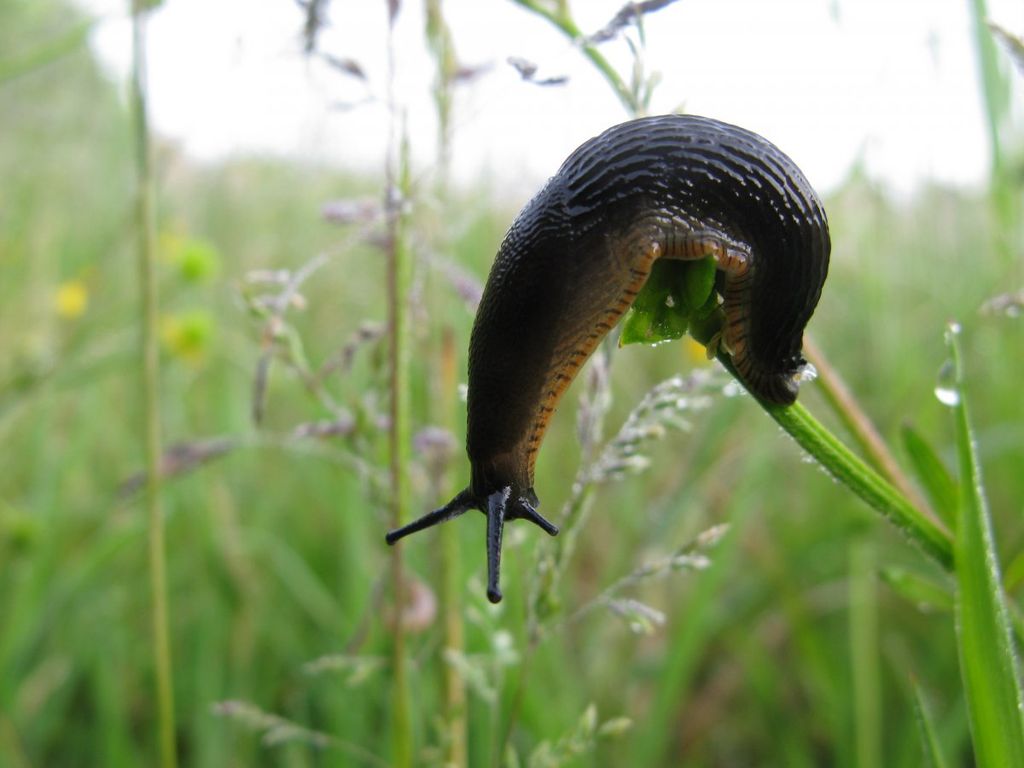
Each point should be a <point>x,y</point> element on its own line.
<point>150,354</point>
<point>864,654</point>
<point>453,712</point>
<point>398,268</point>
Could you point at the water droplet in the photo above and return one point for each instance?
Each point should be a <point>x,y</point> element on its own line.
<point>945,388</point>
<point>733,389</point>
<point>952,331</point>
<point>807,372</point>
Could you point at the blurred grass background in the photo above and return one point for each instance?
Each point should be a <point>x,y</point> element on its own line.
<point>787,650</point>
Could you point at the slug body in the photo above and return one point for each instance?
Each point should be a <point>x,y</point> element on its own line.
<point>673,186</point>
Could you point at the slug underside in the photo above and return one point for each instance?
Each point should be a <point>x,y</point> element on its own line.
<point>574,260</point>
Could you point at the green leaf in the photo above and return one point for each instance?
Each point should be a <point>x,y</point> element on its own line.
<point>1013,44</point>
<point>698,283</point>
<point>1014,572</point>
<point>674,291</point>
<point>988,663</point>
<point>659,312</point>
<point>932,752</point>
<point>931,473</point>
<point>925,593</point>
<point>46,53</point>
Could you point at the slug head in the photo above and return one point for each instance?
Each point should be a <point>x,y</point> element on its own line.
<point>506,503</point>
<point>776,387</point>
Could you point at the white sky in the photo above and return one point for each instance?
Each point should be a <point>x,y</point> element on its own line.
<point>891,82</point>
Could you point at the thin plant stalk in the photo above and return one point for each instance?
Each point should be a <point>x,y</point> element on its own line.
<point>864,656</point>
<point>996,90</point>
<point>398,441</point>
<point>564,23</point>
<point>453,708</point>
<point>850,470</point>
<point>149,308</point>
<point>398,267</point>
<point>860,427</point>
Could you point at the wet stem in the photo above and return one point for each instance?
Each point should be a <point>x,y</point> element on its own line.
<point>847,468</point>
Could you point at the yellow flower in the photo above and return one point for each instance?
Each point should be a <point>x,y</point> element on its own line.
<point>694,351</point>
<point>187,335</point>
<point>195,260</point>
<point>71,299</point>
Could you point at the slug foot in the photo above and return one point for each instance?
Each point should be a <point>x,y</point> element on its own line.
<point>498,506</point>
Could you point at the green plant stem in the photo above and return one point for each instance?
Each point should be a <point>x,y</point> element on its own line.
<point>995,84</point>
<point>453,709</point>
<point>849,469</point>
<point>846,467</point>
<point>860,427</point>
<point>864,656</point>
<point>149,307</point>
<point>454,686</point>
<point>398,267</point>
<point>564,23</point>
<point>996,90</point>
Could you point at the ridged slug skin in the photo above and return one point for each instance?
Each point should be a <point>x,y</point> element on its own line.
<point>673,186</point>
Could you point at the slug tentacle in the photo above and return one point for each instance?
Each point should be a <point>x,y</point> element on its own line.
<point>497,507</point>
<point>574,260</point>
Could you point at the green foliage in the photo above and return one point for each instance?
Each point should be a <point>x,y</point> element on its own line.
<point>674,292</point>
<point>988,659</point>
<point>930,472</point>
<point>930,747</point>
<point>739,654</point>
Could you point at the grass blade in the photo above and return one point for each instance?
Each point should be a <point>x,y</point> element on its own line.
<point>931,473</point>
<point>988,662</point>
<point>925,593</point>
<point>864,654</point>
<point>932,756</point>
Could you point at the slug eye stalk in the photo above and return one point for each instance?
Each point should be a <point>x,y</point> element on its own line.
<point>498,509</point>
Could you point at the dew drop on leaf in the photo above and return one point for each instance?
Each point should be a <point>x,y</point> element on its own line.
<point>945,388</point>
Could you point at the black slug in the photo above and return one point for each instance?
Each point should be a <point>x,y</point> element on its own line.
<point>673,187</point>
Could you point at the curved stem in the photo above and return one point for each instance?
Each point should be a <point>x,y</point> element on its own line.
<point>845,466</point>
<point>851,471</point>
<point>565,24</point>
<point>860,427</point>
